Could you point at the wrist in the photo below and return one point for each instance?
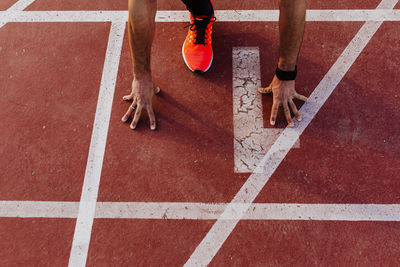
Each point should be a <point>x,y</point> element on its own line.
<point>286,75</point>
<point>142,76</point>
<point>286,65</point>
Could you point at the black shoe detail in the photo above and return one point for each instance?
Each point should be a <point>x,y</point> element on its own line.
<point>200,27</point>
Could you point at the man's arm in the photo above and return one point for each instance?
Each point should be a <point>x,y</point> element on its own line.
<point>291,31</point>
<point>141,25</point>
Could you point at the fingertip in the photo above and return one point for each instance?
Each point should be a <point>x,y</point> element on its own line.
<point>301,97</point>
<point>265,90</point>
<point>291,125</point>
<point>124,119</point>
<point>272,122</point>
<point>158,90</point>
<point>152,124</point>
<point>299,118</point>
<point>133,126</point>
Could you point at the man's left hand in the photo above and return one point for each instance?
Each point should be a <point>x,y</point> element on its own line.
<point>283,94</point>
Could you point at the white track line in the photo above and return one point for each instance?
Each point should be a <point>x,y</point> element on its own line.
<point>204,211</point>
<point>220,231</point>
<point>94,165</point>
<point>8,15</point>
<point>182,16</point>
<point>38,209</point>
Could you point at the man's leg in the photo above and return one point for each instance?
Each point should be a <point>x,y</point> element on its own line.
<point>199,7</point>
<point>197,50</point>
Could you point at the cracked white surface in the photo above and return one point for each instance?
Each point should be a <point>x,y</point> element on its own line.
<point>251,140</point>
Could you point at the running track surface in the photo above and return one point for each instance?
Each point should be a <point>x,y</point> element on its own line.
<point>349,154</point>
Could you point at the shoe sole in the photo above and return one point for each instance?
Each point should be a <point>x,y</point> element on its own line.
<point>197,71</point>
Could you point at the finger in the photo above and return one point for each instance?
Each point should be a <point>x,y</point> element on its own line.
<point>157,90</point>
<point>134,104</point>
<point>265,90</point>
<point>301,97</point>
<point>287,114</point>
<point>152,118</point>
<point>127,97</point>
<point>129,112</point>
<point>136,117</point>
<point>295,110</point>
<point>274,111</point>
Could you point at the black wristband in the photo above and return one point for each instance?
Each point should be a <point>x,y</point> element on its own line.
<point>286,75</point>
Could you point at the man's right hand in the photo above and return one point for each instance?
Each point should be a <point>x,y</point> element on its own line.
<point>141,96</point>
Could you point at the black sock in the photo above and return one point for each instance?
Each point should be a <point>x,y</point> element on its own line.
<point>199,7</point>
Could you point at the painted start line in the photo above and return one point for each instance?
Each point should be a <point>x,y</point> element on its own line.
<point>261,164</point>
<point>204,211</point>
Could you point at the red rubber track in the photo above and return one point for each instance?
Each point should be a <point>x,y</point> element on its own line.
<point>50,76</point>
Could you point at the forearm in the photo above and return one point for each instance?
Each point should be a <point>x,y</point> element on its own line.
<point>291,31</point>
<point>141,26</point>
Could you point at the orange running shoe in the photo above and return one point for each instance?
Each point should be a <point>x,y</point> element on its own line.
<point>197,50</point>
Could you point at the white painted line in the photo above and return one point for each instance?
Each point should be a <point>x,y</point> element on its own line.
<point>204,211</point>
<point>259,211</point>
<point>182,16</point>
<point>8,15</point>
<point>69,16</point>
<point>312,15</point>
<point>251,140</point>
<point>94,165</point>
<point>220,231</point>
<point>20,5</point>
<point>38,209</point>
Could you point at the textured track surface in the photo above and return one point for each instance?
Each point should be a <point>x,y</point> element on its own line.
<point>349,154</point>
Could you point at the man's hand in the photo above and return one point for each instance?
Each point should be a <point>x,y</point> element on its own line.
<point>283,94</point>
<point>142,94</point>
